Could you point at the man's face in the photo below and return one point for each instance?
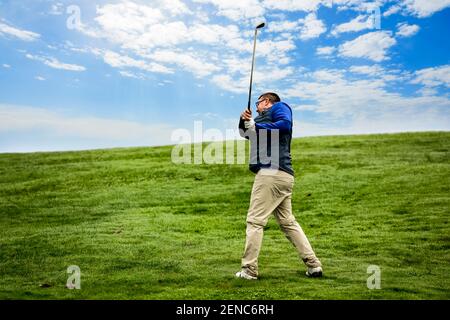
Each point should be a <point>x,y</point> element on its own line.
<point>262,104</point>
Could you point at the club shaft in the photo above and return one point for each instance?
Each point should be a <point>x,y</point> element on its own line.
<point>251,73</point>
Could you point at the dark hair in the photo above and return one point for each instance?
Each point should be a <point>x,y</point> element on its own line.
<point>272,96</point>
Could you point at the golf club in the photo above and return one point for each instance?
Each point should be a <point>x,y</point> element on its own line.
<point>259,26</point>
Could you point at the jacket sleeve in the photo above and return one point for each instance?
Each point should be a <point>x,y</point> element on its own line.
<point>282,120</point>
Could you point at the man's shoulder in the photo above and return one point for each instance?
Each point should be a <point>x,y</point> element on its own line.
<point>282,109</point>
<point>281,105</point>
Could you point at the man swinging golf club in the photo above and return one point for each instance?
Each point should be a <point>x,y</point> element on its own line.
<point>272,188</point>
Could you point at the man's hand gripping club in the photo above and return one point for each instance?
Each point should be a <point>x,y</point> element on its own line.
<point>249,123</point>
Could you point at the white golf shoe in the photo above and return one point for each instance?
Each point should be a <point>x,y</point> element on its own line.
<point>245,275</point>
<point>314,272</point>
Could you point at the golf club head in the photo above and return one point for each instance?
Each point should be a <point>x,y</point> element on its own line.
<point>261,25</point>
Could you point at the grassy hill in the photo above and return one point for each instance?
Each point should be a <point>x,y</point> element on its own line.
<point>141,227</point>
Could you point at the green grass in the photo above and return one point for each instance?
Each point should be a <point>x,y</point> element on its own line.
<point>141,227</point>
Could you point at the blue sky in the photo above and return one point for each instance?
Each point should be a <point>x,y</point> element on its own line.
<point>94,74</point>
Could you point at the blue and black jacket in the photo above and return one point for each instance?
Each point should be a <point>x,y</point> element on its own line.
<point>278,117</point>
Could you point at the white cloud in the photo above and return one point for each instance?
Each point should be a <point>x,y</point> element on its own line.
<point>334,93</point>
<point>427,91</point>
<point>175,7</point>
<point>148,33</point>
<point>305,107</point>
<point>376,71</point>
<point>432,77</point>
<point>275,51</point>
<point>311,27</point>
<point>418,8</point>
<point>7,66</point>
<point>296,5</point>
<point>214,34</point>
<point>55,64</point>
<point>361,22</point>
<point>281,26</point>
<point>206,115</point>
<point>40,78</point>
<point>129,74</point>
<point>275,74</point>
<point>127,17</point>
<point>369,70</point>
<point>122,61</point>
<point>373,46</point>
<point>151,40</point>
<point>358,5</point>
<point>235,65</point>
<point>325,51</point>
<point>425,8</point>
<point>245,9</point>
<point>140,27</point>
<point>392,10</point>
<point>351,106</point>
<point>166,44</point>
<point>226,82</point>
<point>327,75</point>
<point>187,61</point>
<point>168,34</point>
<point>407,30</point>
<point>57,9</point>
<point>239,84</point>
<point>93,132</point>
<point>133,31</point>
<point>237,10</point>
<point>18,33</point>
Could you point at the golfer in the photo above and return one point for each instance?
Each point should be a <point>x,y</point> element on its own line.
<point>272,188</point>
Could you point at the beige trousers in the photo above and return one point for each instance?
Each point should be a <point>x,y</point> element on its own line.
<point>272,192</point>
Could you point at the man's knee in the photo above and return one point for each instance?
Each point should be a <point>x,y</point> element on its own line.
<point>256,224</point>
<point>287,223</point>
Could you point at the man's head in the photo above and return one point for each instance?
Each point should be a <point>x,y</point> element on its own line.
<point>266,100</point>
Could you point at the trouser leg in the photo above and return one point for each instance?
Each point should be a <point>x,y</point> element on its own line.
<point>295,234</point>
<point>267,193</point>
<point>253,242</point>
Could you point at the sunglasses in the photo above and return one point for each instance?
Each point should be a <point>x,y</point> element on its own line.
<point>258,102</point>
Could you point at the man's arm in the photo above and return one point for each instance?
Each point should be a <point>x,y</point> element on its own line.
<point>282,119</point>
